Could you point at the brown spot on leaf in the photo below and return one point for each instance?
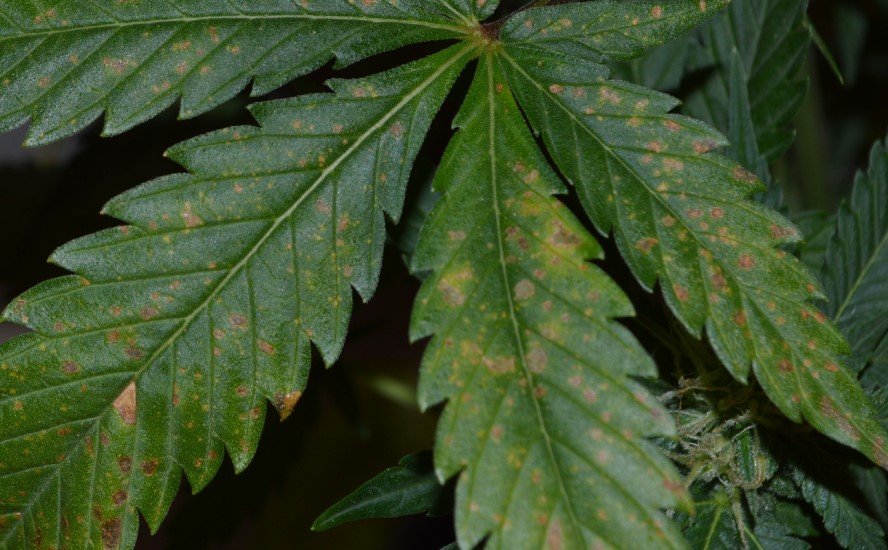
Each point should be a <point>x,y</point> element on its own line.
<point>286,403</point>
<point>537,360</point>
<point>499,365</point>
<point>744,175</point>
<point>266,348</point>
<point>111,530</point>
<point>70,367</point>
<point>149,313</point>
<point>149,467</point>
<point>189,218</point>
<point>119,497</point>
<point>680,292</point>
<point>524,290</point>
<point>746,262</point>
<point>126,404</point>
<point>125,464</point>
<point>238,320</point>
<point>555,536</point>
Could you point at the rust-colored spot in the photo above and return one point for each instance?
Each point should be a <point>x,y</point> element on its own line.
<point>496,433</point>
<point>125,464</point>
<point>149,467</point>
<point>265,347</point>
<point>740,318</point>
<point>645,245</point>
<point>70,367</point>
<point>537,360</point>
<point>829,409</point>
<point>499,365</point>
<point>555,536</point>
<point>111,533</point>
<point>119,497</point>
<point>126,404</point>
<point>680,292</point>
<point>134,353</point>
<point>746,261</point>
<point>744,175</point>
<point>149,313</point>
<point>238,320</point>
<point>831,367</point>
<point>785,365</point>
<point>189,218</point>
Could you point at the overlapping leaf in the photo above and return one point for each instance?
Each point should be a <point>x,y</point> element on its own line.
<point>855,271</point>
<point>680,215</point>
<point>161,352</point>
<point>409,488</point>
<point>841,517</point>
<point>64,63</point>
<point>543,419</point>
<point>770,41</point>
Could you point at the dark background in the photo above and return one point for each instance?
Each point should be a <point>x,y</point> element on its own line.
<point>361,417</point>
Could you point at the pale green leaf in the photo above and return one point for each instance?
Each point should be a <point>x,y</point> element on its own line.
<point>64,63</point>
<point>161,352</point>
<point>543,419</point>
<point>680,215</point>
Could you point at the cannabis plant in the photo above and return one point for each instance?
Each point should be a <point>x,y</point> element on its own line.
<point>741,406</point>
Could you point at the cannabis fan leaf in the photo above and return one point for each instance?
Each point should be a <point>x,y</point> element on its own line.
<point>769,40</point>
<point>65,63</point>
<point>680,216</point>
<point>159,353</point>
<point>203,307</point>
<point>855,271</point>
<point>542,413</point>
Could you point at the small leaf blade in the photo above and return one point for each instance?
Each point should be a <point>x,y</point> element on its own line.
<point>409,488</point>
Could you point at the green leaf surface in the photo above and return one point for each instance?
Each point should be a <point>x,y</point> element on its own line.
<point>681,215</point>
<point>409,488</point>
<point>614,30</point>
<point>160,353</point>
<point>714,525</point>
<point>543,419</point>
<point>771,40</point>
<point>852,528</point>
<point>855,271</point>
<point>64,63</point>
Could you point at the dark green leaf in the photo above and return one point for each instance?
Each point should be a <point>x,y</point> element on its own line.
<point>855,272</point>
<point>409,488</point>
<point>851,527</point>
<point>771,39</point>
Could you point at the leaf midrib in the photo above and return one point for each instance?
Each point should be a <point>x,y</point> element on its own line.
<point>619,159</point>
<point>58,31</point>
<point>864,273</point>
<point>261,241</point>
<point>491,99</point>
